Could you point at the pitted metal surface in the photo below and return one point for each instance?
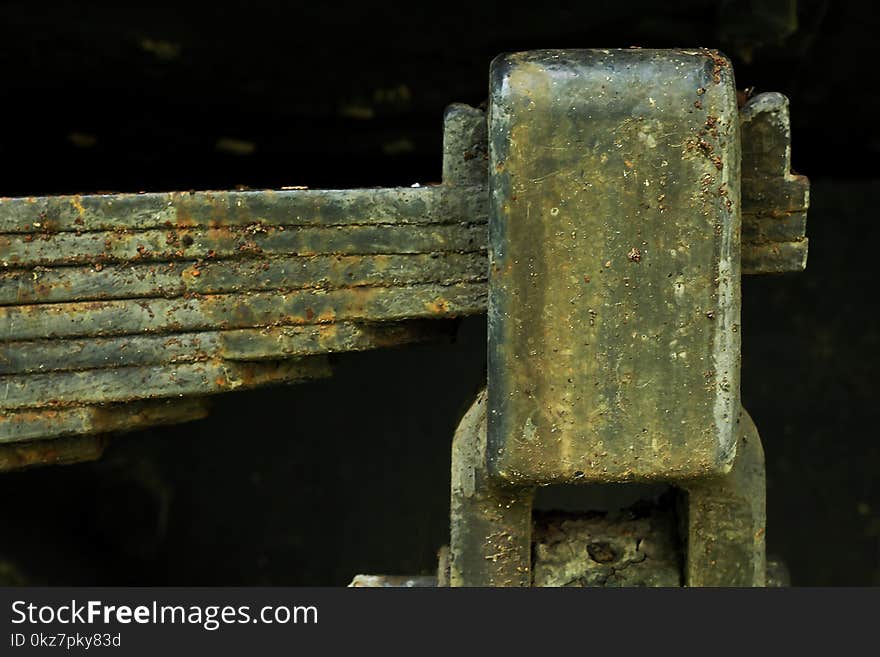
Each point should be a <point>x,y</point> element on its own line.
<point>619,196</point>
<point>614,288</point>
<point>110,299</point>
<point>109,283</point>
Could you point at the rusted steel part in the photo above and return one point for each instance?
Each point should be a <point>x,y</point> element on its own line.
<point>151,246</point>
<point>61,451</point>
<point>67,425</point>
<point>725,519</point>
<point>465,148</point>
<point>118,384</point>
<point>614,288</point>
<point>490,523</point>
<point>30,425</point>
<point>775,200</point>
<point>639,549</point>
<point>714,536</point>
<point>571,398</point>
<point>631,547</point>
<point>126,297</point>
<point>70,372</point>
<point>43,217</point>
<point>161,246</point>
<point>41,356</point>
<point>131,281</point>
<point>231,311</point>
<point>39,406</point>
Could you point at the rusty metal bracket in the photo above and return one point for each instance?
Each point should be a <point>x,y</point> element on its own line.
<point>614,302</point>
<point>495,540</point>
<point>602,215</point>
<point>113,304</point>
<point>118,298</point>
<point>614,287</point>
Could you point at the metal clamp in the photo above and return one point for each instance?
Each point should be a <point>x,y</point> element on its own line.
<point>614,302</point>
<point>602,215</point>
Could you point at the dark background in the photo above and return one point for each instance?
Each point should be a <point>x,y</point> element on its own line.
<point>310,484</point>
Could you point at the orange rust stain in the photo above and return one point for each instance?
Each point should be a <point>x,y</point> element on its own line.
<point>76,202</point>
<point>183,218</point>
<point>326,316</point>
<point>438,307</point>
<point>328,331</point>
<point>44,452</point>
<point>251,374</point>
<point>30,416</point>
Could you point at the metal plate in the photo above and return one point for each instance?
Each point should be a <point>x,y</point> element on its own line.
<point>614,289</point>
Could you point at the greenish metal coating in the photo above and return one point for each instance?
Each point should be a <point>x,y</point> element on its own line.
<point>722,526</point>
<point>124,297</point>
<point>722,520</point>
<point>490,523</point>
<point>58,355</point>
<point>725,519</point>
<point>615,207</point>
<point>337,337</point>
<point>130,281</point>
<point>116,384</point>
<point>60,451</point>
<point>189,245</point>
<point>465,149</point>
<point>777,257</point>
<point>614,289</point>
<point>268,343</point>
<point>631,547</point>
<point>38,425</point>
<point>228,311</point>
<point>227,209</point>
<point>775,200</point>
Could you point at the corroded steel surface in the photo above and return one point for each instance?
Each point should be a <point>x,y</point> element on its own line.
<point>31,424</point>
<point>631,547</point>
<point>181,211</point>
<point>614,288</point>
<point>614,295</point>
<point>713,536</point>
<point>114,298</point>
<point>117,384</point>
<point>490,522</point>
<point>234,345</point>
<point>611,184</point>
<point>775,200</point>
<point>233,311</point>
<point>60,451</point>
<point>725,518</point>
<point>97,282</point>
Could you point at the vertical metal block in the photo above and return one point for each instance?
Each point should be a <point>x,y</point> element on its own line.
<point>491,523</point>
<point>614,295</point>
<point>725,519</point>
